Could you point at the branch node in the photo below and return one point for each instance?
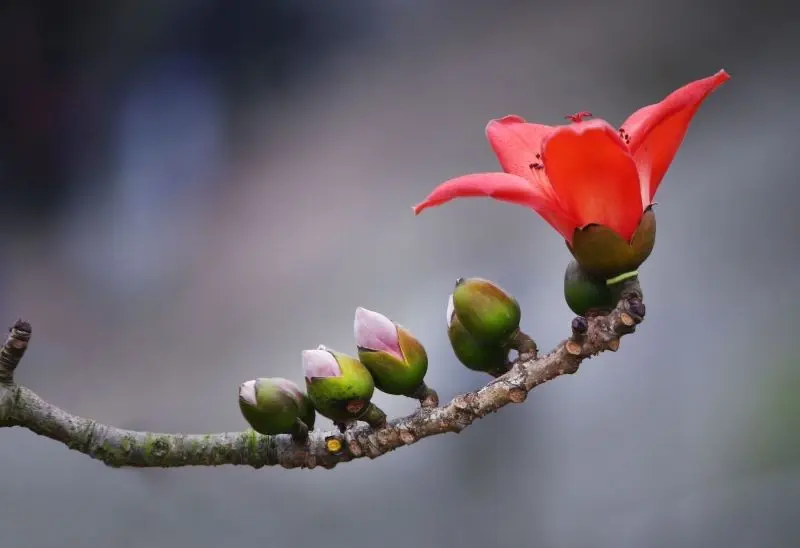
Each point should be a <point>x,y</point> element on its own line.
<point>626,319</point>
<point>573,348</point>
<point>353,444</point>
<point>407,437</point>
<point>580,326</point>
<point>517,394</point>
<point>613,345</point>
<point>373,448</point>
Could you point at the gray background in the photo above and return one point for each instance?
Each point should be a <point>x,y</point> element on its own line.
<point>193,193</point>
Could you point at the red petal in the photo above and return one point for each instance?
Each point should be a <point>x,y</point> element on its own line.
<point>504,187</point>
<point>594,175</point>
<point>517,143</point>
<point>656,131</point>
<point>518,146</point>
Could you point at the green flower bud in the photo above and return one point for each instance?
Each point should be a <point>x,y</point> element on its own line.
<point>474,355</point>
<point>487,312</point>
<point>584,292</point>
<point>604,254</point>
<point>339,386</point>
<point>394,357</point>
<point>276,406</point>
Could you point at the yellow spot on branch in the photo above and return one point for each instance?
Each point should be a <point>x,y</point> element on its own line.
<point>333,445</point>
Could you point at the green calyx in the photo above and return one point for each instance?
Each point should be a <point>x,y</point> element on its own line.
<point>274,406</point>
<point>604,254</point>
<point>486,311</point>
<point>393,375</point>
<point>473,354</point>
<point>345,397</point>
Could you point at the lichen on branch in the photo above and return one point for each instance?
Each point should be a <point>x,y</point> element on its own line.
<point>117,447</point>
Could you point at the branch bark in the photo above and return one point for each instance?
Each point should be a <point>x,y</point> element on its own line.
<point>116,447</point>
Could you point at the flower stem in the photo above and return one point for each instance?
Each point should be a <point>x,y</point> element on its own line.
<point>522,343</point>
<point>299,431</point>
<point>374,416</point>
<point>426,395</point>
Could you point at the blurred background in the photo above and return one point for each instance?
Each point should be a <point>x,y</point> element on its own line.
<point>194,191</point>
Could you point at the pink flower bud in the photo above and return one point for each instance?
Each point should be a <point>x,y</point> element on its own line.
<point>376,332</point>
<point>320,363</point>
<point>247,393</point>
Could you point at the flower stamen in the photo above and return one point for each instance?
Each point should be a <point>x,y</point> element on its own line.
<point>624,136</point>
<point>578,116</point>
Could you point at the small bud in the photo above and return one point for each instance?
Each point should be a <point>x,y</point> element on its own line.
<point>580,325</point>
<point>584,292</point>
<point>487,312</point>
<point>276,406</point>
<point>339,386</point>
<point>394,357</point>
<point>474,355</point>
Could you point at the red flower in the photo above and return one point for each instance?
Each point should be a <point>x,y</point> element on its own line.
<point>586,172</point>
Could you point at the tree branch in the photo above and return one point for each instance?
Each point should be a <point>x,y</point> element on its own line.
<point>127,448</point>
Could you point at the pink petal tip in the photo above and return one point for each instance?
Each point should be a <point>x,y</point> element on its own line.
<point>374,331</point>
<point>320,364</point>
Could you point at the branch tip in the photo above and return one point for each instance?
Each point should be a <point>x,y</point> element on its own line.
<point>14,349</point>
<point>23,327</point>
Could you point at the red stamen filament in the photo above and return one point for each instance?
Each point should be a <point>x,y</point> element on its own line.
<point>578,116</point>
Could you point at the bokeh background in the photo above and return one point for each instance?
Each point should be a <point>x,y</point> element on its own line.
<point>195,191</point>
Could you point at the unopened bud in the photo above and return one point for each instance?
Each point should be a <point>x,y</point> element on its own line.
<point>474,355</point>
<point>339,386</point>
<point>274,406</point>
<point>394,357</point>
<point>486,311</point>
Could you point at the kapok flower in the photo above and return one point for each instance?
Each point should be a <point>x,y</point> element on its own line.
<point>592,183</point>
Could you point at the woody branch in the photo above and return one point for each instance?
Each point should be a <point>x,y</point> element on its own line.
<point>117,447</point>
